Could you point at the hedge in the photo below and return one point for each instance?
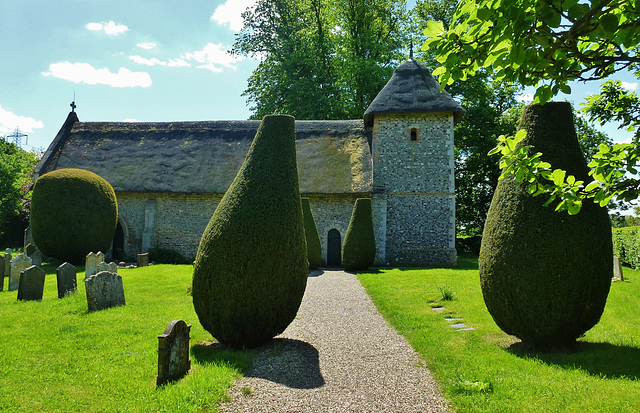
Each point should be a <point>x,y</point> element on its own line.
<point>626,245</point>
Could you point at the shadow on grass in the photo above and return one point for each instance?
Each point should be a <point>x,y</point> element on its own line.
<point>216,353</point>
<point>598,359</point>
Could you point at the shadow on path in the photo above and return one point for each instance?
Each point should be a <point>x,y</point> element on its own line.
<point>292,363</point>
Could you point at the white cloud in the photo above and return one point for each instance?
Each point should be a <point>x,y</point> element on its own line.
<point>630,86</point>
<point>525,97</point>
<point>213,57</point>
<point>231,13</point>
<point>110,28</point>
<point>146,45</point>
<point>155,61</point>
<point>9,121</point>
<point>85,73</point>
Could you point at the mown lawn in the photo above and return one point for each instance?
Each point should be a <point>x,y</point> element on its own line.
<point>485,370</point>
<point>55,356</point>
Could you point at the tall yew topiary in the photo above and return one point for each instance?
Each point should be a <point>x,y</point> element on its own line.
<point>251,267</point>
<point>359,246</point>
<point>73,212</point>
<point>545,275</point>
<point>314,248</point>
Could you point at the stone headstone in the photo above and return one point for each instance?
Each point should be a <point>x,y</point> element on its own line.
<point>143,260</point>
<point>104,290</point>
<point>7,251</point>
<point>67,279</point>
<point>173,352</point>
<point>30,249</point>
<point>31,284</point>
<point>617,269</point>
<point>91,263</point>
<point>18,264</point>
<point>5,269</point>
<point>1,272</point>
<point>107,266</point>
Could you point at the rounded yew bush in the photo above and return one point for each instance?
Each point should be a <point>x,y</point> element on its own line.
<point>251,267</point>
<point>73,212</point>
<point>545,275</point>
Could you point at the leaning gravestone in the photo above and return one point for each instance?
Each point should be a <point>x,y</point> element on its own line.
<point>67,279</point>
<point>104,290</point>
<point>18,264</point>
<point>31,284</point>
<point>143,259</point>
<point>91,263</point>
<point>173,352</point>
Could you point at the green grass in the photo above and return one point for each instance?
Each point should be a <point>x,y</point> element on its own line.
<point>55,356</point>
<point>488,371</point>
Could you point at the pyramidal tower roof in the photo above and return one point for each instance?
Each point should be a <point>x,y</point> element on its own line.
<point>412,89</point>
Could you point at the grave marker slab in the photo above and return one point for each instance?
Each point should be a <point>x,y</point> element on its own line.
<point>18,264</point>
<point>104,290</point>
<point>31,284</point>
<point>143,259</point>
<point>1,272</point>
<point>617,269</point>
<point>173,352</point>
<point>91,263</point>
<point>67,279</point>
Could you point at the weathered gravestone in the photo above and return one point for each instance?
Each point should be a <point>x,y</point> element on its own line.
<point>143,259</point>
<point>173,352</point>
<point>617,269</point>
<point>18,264</point>
<point>91,263</point>
<point>104,290</point>
<point>1,272</point>
<point>6,263</point>
<point>31,284</point>
<point>67,279</point>
<point>107,266</point>
<point>7,251</point>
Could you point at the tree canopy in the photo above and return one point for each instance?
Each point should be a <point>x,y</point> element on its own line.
<point>540,43</point>
<point>16,179</point>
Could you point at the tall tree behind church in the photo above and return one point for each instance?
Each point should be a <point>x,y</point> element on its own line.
<point>320,59</point>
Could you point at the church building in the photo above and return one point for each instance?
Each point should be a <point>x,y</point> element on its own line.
<point>170,176</point>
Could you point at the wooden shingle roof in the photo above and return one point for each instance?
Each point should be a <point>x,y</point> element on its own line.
<point>334,157</point>
<point>412,89</point>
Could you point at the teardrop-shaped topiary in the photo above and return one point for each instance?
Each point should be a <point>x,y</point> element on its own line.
<point>314,248</point>
<point>73,212</point>
<point>359,247</point>
<point>545,275</point>
<point>251,267</point>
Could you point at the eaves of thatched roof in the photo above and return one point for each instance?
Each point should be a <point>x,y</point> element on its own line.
<point>334,157</point>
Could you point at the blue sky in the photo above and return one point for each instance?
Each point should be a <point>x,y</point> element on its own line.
<point>130,60</point>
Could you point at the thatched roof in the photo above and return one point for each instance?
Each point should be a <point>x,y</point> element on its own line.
<point>412,89</point>
<point>204,157</point>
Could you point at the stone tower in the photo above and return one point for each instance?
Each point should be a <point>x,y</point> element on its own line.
<point>413,169</point>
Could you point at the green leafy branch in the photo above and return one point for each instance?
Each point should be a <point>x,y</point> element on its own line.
<point>611,168</point>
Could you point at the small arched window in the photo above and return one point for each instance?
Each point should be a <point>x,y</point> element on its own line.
<point>414,134</point>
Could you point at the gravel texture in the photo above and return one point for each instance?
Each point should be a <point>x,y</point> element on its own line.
<point>338,355</point>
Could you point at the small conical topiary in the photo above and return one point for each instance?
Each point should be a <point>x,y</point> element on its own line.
<point>545,275</point>
<point>314,248</point>
<point>359,246</point>
<point>73,212</point>
<point>251,267</point>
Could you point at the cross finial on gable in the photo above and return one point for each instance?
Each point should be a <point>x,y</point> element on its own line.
<point>73,106</point>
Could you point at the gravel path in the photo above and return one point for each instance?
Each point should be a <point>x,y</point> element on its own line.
<point>338,355</point>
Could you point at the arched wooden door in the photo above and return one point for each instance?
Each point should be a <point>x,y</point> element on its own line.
<point>334,249</point>
<point>118,243</point>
